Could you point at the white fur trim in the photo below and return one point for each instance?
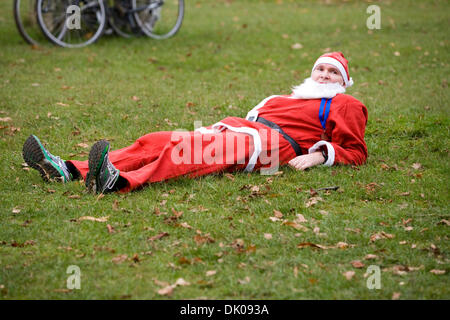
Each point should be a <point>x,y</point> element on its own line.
<point>252,115</point>
<point>330,151</point>
<point>256,141</point>
<point>338,65</point>
<point>204,130</point>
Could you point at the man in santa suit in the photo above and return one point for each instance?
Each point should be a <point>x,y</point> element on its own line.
<point>316,124</point>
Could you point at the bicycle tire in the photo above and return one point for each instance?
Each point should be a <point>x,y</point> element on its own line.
<point>151,22</point>
<point>89,15</point>
<point>121,19</point>
<point>32,34</point>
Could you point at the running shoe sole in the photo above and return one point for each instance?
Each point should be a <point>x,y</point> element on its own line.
<point>96,158</point>
<point>35,155</point>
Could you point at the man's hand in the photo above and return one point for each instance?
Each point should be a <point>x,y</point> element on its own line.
<point>306,161</point>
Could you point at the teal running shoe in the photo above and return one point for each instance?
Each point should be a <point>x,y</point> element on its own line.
<point>102,174</point>
<point>51,168</point>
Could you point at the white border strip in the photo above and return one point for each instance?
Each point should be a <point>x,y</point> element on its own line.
<point>330,149</point>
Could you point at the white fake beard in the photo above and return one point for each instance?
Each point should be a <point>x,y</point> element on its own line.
<point>311,89</point>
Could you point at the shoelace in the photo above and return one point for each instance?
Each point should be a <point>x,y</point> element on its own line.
<point>61,163</point>
<point>113,174</point>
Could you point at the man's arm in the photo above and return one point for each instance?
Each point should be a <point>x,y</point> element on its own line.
<point>347,144</point>
<point>306,161</point>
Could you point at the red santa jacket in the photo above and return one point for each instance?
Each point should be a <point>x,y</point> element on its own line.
<point>299,118</point>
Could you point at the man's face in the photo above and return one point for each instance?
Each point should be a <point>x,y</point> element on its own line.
<point>327,73</point>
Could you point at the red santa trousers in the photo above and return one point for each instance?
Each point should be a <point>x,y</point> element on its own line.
<point>164,155</point>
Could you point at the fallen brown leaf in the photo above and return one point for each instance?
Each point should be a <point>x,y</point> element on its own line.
<point>416,166</point>
<point>199,239</point>
<point>349,274</point>
<point>166,291</point>
<point>381,235</point>
<point>295,225</point>
<point>396,296</point>
<point>158,236</point>
<point>436,271</point>
<point>245,280</point>
<point>277,214</point>
<point>110,228</point>
<point>102,219</point>
<point>185,225</point>
<point>357,264</point>
<point>310,244</point>
<point>15,210</point>
<point>268,236</point>
<point>120,258</point>
<point>300,218</point>
<point>312,201</point>
<point>444,221</point>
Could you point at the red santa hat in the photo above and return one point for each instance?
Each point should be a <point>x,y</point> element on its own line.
<point>338,60</point>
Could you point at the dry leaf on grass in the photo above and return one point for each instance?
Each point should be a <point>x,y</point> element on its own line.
<point>277,214</point>
<point>300,218</point>
<point>199,239</point>
<point>15,210</point>
<point>436,271</point>
<point>312,201</point>
<point>245,280</point>
<point>268,236</point>
<point>295,225</point>
<point>445,222</point>
<point>310,244</point>
<point>102,219</point>
<point>185,225</point>
<point>349,274</point>
<point>83,145</point>
<point>182,282</point>
<point>120,258</point>
<point>110,228</point>
<point>342,245</point>
<point>210,273</point>
<point>381,235</point>
<point>396,296</point>
<point>168,290</point>
<point>158,236</point>
<point>416,166</point>
<point>357,264</point>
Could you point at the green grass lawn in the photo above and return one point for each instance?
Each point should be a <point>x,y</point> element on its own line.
<point>227,57</point>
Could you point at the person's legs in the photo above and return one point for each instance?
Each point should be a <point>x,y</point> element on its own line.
<point>143,151</point>
<point>193,154</point>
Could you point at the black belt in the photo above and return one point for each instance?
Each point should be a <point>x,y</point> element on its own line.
<point>270,124</point>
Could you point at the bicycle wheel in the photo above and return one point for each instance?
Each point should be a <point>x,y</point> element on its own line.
<point>159,19</point>
<point>26,22</point>
<point>71,23</point>
<point>121,19</point>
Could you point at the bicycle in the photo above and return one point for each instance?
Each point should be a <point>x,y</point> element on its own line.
<point>26,22</point>
<point>71,24</point>
<point>144,17</point>
<point>51,19</point>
